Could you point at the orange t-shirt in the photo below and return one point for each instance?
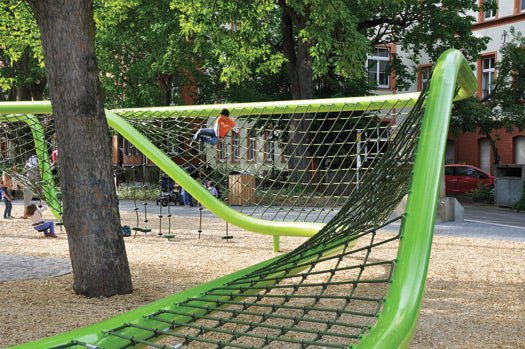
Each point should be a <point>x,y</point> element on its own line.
<point>225,124</point>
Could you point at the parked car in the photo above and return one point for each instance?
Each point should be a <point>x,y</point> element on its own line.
<point>462,178</point>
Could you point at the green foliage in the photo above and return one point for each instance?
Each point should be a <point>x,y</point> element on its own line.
<point>482,194</point>
<point>149,51</point>
<point>138,193</point>
<point>520,204</point>
<point>140,53</point>
<point>248,38</point>
<point>22,74</point>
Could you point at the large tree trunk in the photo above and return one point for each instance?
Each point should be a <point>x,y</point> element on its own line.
<point>300,73</point>
<point>91,215</point>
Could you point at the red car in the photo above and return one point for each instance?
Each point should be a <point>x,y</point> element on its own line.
<point>461,178</point>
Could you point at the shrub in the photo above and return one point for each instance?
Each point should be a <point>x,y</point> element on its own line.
<point>482,194</point>
<point>520,204</point>
<point>138,193</point>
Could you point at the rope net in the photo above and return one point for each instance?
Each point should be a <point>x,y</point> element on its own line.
<point>288,166</point>
<point>28,157</point>
<point>348,167</point>
<point>326,293</point>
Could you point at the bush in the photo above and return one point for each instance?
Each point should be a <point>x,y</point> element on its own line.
<point>482,194</point>
<point>520,204</point>
<point>139,193</point>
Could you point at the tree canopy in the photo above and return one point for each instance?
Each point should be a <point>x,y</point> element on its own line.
<point>22,73</point>
<point>324,41</point>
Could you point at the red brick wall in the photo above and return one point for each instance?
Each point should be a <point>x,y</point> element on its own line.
<point>467,146</point>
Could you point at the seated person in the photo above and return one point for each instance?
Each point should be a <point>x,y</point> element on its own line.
<point>222,126</point>
<point>46,227</point>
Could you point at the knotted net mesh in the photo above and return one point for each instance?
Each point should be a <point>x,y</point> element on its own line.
<point>347,165</point>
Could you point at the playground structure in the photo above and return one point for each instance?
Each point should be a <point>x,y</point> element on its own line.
<point>329,292</point>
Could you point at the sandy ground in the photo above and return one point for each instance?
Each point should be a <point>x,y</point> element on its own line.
<point>474,294</point>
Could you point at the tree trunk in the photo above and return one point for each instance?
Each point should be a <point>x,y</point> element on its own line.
<point>300,73</point>
<point>494,148</point>
<point>91,215</point>
<point>164,84</point>
<point>23,91</point>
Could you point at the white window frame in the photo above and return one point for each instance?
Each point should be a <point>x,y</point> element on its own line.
<point>268,147</point>
<point>222,150</point>
<point>378,71</point>
<point>130,149</point>
<point>252,145</point>
<point>491,14</point>
<point>236,149</point>
<point>490,72</point>
<point>427,71</point>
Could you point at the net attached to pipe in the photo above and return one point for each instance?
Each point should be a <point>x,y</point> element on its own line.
<point>326,293</point>
<point>283,164</point>
<point>350,167</point>
<point>28,157</point>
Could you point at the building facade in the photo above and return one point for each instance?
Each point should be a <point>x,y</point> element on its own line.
<point>471,147</point>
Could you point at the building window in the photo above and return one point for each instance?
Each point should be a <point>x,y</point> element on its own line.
<point>3,148</point>
<point>377,66</point>
<point>521,7</point>
<point>423,76</point>
<point>221,150</point>
<point>236,152</point>
<point>519,150</point>
<point>251,145</point>
<point>129,149</point>
<point>268,147</point>
<point>488,71</point>
<point>489,13</point>
<point>371,144</point>
<point>484,154</point>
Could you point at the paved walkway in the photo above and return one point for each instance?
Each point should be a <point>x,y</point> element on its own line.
<point>25,267</point>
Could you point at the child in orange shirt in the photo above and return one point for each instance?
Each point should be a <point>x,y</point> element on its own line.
<point>222,126</point>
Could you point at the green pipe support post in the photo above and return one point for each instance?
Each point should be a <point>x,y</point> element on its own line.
<point>276,243</point>
<point>397,320</point>
<point>37,131</point>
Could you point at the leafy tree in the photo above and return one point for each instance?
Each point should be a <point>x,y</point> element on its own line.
<point>144,61</point>
<point>91,215</point>
<point>323,40</point>
<point>322,43</point>
<point>504,107</point>
<point>141,54</point>
<point>21,70</point>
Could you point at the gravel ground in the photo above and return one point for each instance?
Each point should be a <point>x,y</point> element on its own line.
<point>473,298</point>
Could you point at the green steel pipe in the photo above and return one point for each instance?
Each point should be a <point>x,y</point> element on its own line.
<point>282,107</point>
<point>276,243</point>
<point>200,193</point>
<point>397,321</point>
<point>48,182</point>
<point>34,107</point>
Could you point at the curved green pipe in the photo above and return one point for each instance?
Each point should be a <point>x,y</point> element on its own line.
<point>397,320</point>
<point>201,194</point>
<point>48,183</point>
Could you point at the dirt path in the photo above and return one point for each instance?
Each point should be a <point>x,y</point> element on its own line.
<point>473,299</point>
